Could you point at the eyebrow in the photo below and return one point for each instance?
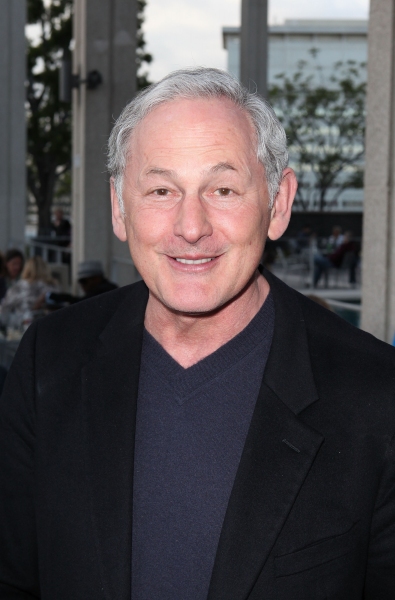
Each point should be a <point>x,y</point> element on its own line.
<point>221,166</point>
<point>159,171</point>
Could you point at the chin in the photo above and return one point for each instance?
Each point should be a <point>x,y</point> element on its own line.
<point>192,305</point>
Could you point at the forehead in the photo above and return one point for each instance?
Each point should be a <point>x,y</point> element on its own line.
<point>201,125</point>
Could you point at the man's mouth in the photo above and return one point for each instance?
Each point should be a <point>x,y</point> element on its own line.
<point>199,261</point>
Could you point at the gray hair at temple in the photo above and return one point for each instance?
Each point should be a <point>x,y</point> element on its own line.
<point>201,83</point>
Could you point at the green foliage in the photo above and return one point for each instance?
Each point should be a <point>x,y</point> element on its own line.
<point>48,119</point>
<point>325,126</point>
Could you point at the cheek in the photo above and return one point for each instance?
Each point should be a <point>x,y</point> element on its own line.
<point>148,227</point>
<point>245,228</point>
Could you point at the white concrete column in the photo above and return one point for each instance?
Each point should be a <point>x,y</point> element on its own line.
<point>253,46</point>
<point>12,123</point>
<point>378,253</point>
<point>105,40</point>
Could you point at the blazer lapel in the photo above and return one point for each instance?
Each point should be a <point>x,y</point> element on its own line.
<point>109,388</point>
<point>276,459</point>
<point>277,456</point>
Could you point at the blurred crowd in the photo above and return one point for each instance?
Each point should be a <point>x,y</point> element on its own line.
<point>28,289</point>
<point>23,285</point>
<point>340,250</point>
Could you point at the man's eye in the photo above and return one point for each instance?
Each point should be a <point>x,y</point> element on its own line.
<point>161,192</point>
<point>223,191</point>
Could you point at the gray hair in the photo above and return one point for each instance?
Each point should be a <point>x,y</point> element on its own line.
<point>201,83</point>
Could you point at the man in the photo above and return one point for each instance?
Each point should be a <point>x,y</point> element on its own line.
<point>91,278</point>
<point>208,432</point>
<point>347,251</point>
<point>61,226</point>
<point>90,275</point>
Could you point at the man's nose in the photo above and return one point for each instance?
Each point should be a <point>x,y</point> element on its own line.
<point>192,222</point>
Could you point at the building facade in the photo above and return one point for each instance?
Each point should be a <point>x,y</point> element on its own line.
<point>320,44</point>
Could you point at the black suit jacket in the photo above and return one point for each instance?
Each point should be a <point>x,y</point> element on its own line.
<point>312,511</point>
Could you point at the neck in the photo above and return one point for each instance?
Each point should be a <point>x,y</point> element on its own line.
<point>190,338</point>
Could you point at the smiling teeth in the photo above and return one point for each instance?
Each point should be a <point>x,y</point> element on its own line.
<point>186,261</point>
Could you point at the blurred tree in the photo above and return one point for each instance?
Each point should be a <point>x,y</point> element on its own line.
<point>141,55</point>
<point>48,119</point>
<point>325,126</point>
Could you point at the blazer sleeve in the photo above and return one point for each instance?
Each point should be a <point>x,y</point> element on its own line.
<point>19,577</point>
<point>380,576</point>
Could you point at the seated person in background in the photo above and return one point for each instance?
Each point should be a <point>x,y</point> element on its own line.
<point>25,295</point>
<point>91,278</point>
<point>335,259</point>
<point>3,272</point>
<point>92,281</point>
<point>10,269</point>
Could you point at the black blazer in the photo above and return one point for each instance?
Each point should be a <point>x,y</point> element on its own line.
<point>312,511</point>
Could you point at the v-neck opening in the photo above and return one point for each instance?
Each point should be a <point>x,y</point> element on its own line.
<point>186,381</point>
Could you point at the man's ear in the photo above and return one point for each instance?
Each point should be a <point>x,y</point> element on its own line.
<point>282,207</point>
<point>118,218</point>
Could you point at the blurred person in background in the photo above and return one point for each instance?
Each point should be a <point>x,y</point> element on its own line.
<point>61,226</point>
<point>3,273</point>
<point>25,296</point>
<point>11,267</point>
<point>336,238</point>
<point>303,237</point>
<point>347,251</point>
<point>91,278</point>
<point>61,230</point>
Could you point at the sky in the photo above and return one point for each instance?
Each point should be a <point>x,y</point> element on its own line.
<point>181,33</point>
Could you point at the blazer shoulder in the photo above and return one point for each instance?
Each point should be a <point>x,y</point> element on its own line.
<point>342,359</point>
<point>82,323</point>
<point>325,327</point>
<point>349,363</point>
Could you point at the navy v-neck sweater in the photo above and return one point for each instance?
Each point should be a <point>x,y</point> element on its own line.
<point>190,431</point>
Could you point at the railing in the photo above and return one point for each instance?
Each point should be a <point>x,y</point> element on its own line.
<point>344,305</point>
<point>50,249</point>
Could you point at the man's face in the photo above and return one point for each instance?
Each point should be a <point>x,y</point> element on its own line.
<point>196,203</point>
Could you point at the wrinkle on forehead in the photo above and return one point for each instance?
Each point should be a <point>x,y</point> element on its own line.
<point>229,119</point>
<point>183,139</point>
<point>166,113</point>
<point>221,166</point>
